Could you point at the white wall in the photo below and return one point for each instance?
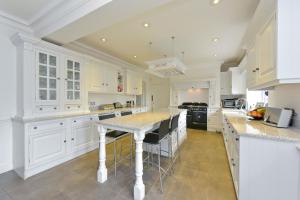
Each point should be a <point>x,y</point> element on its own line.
<point>8,96</point>
<point>109,98</point>
<point>193,95</point>
<point>286,96</point>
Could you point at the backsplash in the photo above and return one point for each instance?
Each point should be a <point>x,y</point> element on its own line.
<point>286,96</point>
<point>99,99</point>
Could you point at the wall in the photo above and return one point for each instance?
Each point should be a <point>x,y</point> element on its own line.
<point>193,95</point>
<point>8,96</point>
<point>159,88</point>
<point>286,96</point>
<point>109,98</point>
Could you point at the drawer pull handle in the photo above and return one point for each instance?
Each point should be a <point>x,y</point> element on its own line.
<point>75,121</point>
<point>91,118</point>
<point>35,127</point>
<point>61,123</point>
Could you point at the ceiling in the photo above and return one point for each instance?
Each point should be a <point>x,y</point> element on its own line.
<point>26,10</point>
<point>194,24</point>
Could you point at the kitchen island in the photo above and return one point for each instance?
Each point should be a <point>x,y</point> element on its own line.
<point>137,124</point>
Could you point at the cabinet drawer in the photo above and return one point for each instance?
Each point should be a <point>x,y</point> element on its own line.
<point>72,107</point>
<point>80,120</point>
<point>38,127</point>
<point>46,109</point>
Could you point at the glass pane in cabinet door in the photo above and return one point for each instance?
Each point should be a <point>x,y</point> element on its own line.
<point>70,64</point>
<point>77,76</point>
<point>52,72</point>
<point>52,94</point>
<point>77,66</point>
<point>70,95</point>
<point>52,83</point>
<point>77,95</point>
<point>52,60</point>
<point>43,58</point>
<point>42,70</point>
<point>43,94</point>
<point>70,75</point>
<point>70,85</point>
<point>43,82</point>
<point>77,85</point>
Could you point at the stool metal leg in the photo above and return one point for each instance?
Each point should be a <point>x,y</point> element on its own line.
<point>131,150</point>
<point>115,158</point>
<point>159,167</point>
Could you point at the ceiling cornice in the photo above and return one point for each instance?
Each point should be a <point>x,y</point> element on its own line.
<point>78,46</point>
<point>14,22</point>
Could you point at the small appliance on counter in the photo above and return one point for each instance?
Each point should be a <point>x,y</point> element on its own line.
<point>118,105</point>
<point>229,103</point>
<point>107,107</point>
<point>278,117</point>
<point>130,104</point>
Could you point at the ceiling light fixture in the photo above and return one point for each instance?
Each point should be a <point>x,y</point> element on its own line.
<point>216,39</point>
<point>135,56</point>
<point>146,25</point>
<point>215,2</point>
<point>103,39</point>
<point>215,55</point>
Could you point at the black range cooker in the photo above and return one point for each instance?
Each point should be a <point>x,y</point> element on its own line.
<point>196,115</point>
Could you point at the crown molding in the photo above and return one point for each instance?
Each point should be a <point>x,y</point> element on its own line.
<point>61,14</point>
<point>13,22</point>
<point>78,46</point>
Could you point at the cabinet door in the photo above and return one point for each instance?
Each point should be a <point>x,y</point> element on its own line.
<point>139,85</point>
<point>266,52</point>
<point>46,146</point>
<point>82,136</point>
<point>73,81</point>
<point>225,88</point>
<point>47,78</point>
<point>111,81</point>
<point>251,67</point>
<point>130,85</point>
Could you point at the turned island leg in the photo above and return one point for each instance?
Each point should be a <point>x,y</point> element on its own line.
<point>139,187</point>
<point>102,170</point>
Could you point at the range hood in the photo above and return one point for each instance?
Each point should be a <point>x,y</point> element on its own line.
<point>166,67</point>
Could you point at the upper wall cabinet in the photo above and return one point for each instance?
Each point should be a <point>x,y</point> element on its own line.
<point>233,82</point>
<point>47,79</point>
<point>134,85</point>
<point>104,79</point>
<point>273,59</point>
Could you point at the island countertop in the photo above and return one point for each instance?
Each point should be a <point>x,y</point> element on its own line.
<point>245,127</point>
<point>141,121</point>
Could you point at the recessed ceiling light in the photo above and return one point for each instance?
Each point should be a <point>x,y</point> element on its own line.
<point>215,2</point>
<point>146,25</point>
<point>216,39</point>
<point>215,55</point>
<point>135,56</point>
<point>103,39</point>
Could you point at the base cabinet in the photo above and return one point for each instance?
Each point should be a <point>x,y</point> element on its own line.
<point>46,146</point>
<point>262,168</point>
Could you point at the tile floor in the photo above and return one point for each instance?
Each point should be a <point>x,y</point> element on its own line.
<point>201,174</point>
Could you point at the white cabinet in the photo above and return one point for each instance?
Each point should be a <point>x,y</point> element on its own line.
<point>251,67</point>
<point>81,134</point>
<point>266,51</point>
<point>213,121</point>
<point>225,80</point>
<point>133,83</point>
<point>47,145</point>
<point>47,79</point>
<point>103,79</point>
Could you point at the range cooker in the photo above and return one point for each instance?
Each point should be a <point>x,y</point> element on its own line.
<point>196,115</point>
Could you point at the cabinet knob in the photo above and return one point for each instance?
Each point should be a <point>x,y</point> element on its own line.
<point>78,106</point>
<point>61,123</point>
<point>75,121</point>
<point>257,69</point>
<point>41,108</point>
<point>91,118</point>
<point>68,107</point>
<point>58,78</point>
<point>237,139</point>
<point>65,141</point>
<point>54,108</point>
<point>66,79</point>
<point>72,139</point>
<point>253,71</point>
<point>233,164</point>
<point>35,127</point>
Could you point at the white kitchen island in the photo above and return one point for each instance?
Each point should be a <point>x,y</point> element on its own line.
<point>138,124</point>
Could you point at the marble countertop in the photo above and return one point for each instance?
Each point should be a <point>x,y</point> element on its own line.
<point>141,121</point>
<point>71,115</point>
<point>243,126</point>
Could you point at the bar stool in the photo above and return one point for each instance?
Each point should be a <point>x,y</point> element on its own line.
<point>125,113</point>
<point>174,128</point>
<point>154,139</point>
<point>112,136</point>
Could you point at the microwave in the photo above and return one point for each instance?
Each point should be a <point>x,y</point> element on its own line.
<point>228,103</point>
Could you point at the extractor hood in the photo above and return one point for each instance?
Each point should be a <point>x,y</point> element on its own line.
<point>166,67</point>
